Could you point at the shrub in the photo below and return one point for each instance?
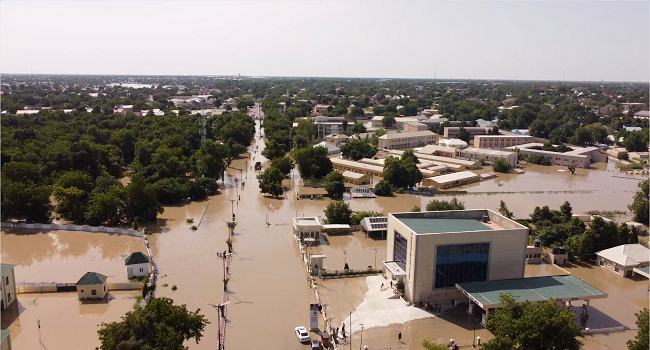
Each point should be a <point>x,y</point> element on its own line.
<point>400,190</point>
<point>189,221</point>
<point>193,228</point>
<point>623,156</point>
<point>501,166</point>
<point>382,188</point>
<point>174,287</point>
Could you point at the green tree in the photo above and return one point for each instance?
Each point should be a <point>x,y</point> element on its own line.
<point>410,155</point>
<point>106,207</point>
<point>380,132</point>
<point>533,326</point>
<point>637,141</point>
<point>416,209</point>
<point>274,150</point>
<point>639,206</point>
<point>582,136</point>
<point>358,128</point>
<point>26,200</point>
<point>141,203</point>
<point>382,188</point>
<point>388,122</point>
<point>270,181</point>
<point>284,164</point>
<point>312,161</point>
<point>211,160</point>
<point>158,325</point>
<point>244,103</point>
<point>401,173</point>
<point>358,149</point>
<point>640,342</point>
<point>440,205</point>
<point>503,209</point>
<point>623,156</point>
<point>566,210</point>
<point>463,134</point>
<point>357,216</point>
<point>501,165</point>
<point>334,185</point>
<point>338,212</point>
<point>356,112</point>
<point>170,191</point>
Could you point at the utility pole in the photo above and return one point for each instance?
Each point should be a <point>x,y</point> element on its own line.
<point>345,255</point>
<point>375,258</point>
<point>350,330</point>
<point>232,208</point>
<point>361,343</point>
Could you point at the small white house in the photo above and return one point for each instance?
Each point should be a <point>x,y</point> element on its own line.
<point>137,265</point>
<point>624,258</point>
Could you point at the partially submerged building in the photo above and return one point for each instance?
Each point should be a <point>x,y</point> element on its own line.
<point>451,180</point>
<point>8,286</point>
<point>137,265</point>
<point>580,157</point>
<point>376,226</point>
<point>474,255</point>
<point>501,141</point>
<point>356,178</point>
<point>487,156</point>
<point>92,285</point>
<point>624,259</point>
<point>307,227</point>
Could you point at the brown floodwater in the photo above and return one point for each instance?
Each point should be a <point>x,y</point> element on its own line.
<point>269,290</point>
<point>66,322</point>
<point>65,256</point>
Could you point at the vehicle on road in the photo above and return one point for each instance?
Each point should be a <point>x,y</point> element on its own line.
<point>301,333</point>
<point>325,338</point>
<point>315,344</point>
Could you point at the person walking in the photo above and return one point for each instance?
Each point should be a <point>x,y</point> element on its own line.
<point>399,337</point>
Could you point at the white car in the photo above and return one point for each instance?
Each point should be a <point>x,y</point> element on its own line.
<point>301,333</point>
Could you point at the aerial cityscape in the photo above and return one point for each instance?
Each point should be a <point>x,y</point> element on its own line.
<point>173,202</point>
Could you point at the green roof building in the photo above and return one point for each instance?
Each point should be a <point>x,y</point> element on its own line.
<point>92,285</point>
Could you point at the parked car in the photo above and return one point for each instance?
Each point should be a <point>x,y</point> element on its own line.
<point>301,333</point>
<point>325,338</point>
<point>315,344</point>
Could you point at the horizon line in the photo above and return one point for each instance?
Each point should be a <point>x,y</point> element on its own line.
<point>330,77</point>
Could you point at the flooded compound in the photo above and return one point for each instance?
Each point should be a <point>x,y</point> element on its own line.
<point>65,256</point>
<point>66,322</point>
<point>269,290</point>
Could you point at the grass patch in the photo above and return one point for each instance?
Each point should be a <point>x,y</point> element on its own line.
<point>607,213</point>
<point>194,228</point>
<point>165,285</point>
<point>189,221</point>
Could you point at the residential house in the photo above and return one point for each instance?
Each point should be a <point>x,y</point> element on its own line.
<point>137,265</point>
<point>624,258</point>
<point>92,285</point>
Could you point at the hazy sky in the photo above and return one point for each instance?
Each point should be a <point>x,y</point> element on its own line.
<point>503,40</point>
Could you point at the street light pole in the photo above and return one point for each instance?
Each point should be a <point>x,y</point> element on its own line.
<point>375,258</point>
<point>345,255</point>
<point>361,343</point>
<point>232,208</point>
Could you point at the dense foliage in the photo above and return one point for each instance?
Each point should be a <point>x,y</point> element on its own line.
<point>335,185</point>
<point>639,206</point>
<point>532,326</point>
<point>501,166</point>
<point>440,205</point>
<point>358,149</point>
<point>401,173</point>
<point>338,212</point>
<point>158,325</point>
<point>640,342</point>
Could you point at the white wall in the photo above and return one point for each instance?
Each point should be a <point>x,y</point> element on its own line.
<point>101,289</point>
<point>9,289</point>
<point>135,270</point>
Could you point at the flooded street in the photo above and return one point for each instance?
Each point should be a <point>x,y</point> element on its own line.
<point>269,291</point>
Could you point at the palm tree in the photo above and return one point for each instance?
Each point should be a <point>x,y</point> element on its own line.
<point>231,226</point>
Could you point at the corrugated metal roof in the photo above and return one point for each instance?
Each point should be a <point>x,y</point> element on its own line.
<point>531,289</point>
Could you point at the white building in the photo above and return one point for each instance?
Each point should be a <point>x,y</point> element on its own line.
<point>434,251</point>
<point>137,265</point>
<point>488,156</point>
<point>624,258</point>
<point>8,286</point>
<point>442,182</point>
<point>455,143</point>
<point>579,156</point>
<point>501,141</point>
<point>307,227</point>
<point>407,140</point>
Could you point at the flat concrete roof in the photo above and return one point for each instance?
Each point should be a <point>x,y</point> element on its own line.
<point>394,269</point>
<point>447,178</point>
<point>404,135</point>
<point>443,225</point>
<point>486,294</point>
<point>306,221</point>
